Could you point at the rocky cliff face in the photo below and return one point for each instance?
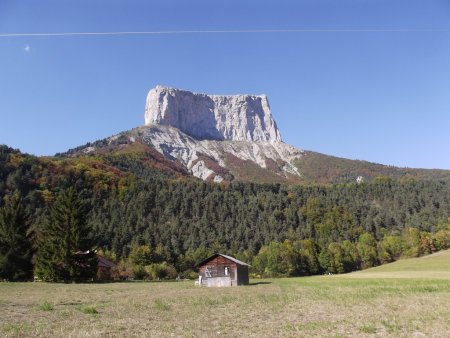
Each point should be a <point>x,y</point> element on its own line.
<point>218,137</point>
<point>212,160</point>
<point>212,117</point>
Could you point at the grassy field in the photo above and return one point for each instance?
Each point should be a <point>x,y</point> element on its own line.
<point>405,299</point>
<point>432,266</point>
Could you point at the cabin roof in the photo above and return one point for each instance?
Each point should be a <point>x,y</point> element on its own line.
<point>237,261</point>
<point>106,263</point>
<point>101,261</point>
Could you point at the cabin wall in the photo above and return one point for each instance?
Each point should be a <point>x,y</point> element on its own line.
<point>218,282</point>
<point>217,266</point>
<point>242,275</point>
<point>103,273</point>
<point>238,274</point>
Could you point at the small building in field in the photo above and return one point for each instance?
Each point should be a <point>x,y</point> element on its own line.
<point>222,270</point>
<point>104,268</point>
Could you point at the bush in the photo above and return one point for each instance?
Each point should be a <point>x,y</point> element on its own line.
<point>162,270</point>
<point>123,271</point>
<point>190,274</point>
<point>140,272</point>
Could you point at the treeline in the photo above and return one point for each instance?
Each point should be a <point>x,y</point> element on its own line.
<point>304,257</point>
<point>155,224</point>
<point>288,258</point>
<point>184,215</point>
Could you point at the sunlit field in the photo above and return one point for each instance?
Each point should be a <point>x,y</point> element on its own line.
<point>408,298</point>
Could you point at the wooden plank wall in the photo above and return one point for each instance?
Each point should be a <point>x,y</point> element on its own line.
<point>217,267</point>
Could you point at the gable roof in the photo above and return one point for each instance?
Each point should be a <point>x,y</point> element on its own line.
<point>237,261</point>
<point>103,262</point>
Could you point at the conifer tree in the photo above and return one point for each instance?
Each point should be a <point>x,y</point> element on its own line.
<point>15,247</point>
<point>65,251</point>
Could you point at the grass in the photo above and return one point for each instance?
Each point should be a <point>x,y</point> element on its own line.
<point>161,305</point>
<point>46,306</point>
<point>368,328</point>
<point>90,310</point>
<point>322,306</point>
<point>431,266</point>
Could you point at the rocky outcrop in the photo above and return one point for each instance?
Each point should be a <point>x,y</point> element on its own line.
<point>212,117</point>
<point>176,145</point>
<point>205,132</point>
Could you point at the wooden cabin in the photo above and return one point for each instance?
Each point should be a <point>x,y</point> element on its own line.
<point>222,270</point>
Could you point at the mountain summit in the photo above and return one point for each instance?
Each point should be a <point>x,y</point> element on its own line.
<point>218,137</point>
<point>233,137</point>
<point>213,117</point>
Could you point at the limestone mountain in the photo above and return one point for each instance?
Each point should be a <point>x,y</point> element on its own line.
<point>235,137</point>
<point>213,117</point>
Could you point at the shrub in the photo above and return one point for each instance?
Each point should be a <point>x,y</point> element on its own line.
<point>140,272</point>
<point>123,271</point>
<point>161,271</point>
<point>190,274</point>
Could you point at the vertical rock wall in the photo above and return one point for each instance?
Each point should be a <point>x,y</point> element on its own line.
<point>212,117</point>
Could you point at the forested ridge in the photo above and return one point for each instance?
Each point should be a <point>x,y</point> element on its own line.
<point>146,213</point>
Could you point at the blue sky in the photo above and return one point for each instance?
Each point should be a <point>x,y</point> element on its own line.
<point>378,96</point>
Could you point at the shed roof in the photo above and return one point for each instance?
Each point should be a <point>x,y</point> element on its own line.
<point>237,261</point>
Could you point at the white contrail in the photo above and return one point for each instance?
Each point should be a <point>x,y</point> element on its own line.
<point>221,31</point>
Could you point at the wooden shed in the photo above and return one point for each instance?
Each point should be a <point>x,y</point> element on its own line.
<point>222,270</point>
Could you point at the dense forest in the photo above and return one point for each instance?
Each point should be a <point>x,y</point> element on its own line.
<point>156,222</point>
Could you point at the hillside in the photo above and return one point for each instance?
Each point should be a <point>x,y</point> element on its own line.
<point>235,138</point>
<point>436,265</point>
<point>230,160</point>
<point>321,168</point>
<point>136,197</point>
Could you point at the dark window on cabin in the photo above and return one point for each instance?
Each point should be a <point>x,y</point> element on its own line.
<point>227,271</point>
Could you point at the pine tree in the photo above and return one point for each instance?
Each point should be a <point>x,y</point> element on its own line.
<point>15,247</point>
<point>65,252</point>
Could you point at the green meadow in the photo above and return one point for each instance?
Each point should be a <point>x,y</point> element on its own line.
<point>408,298</point>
